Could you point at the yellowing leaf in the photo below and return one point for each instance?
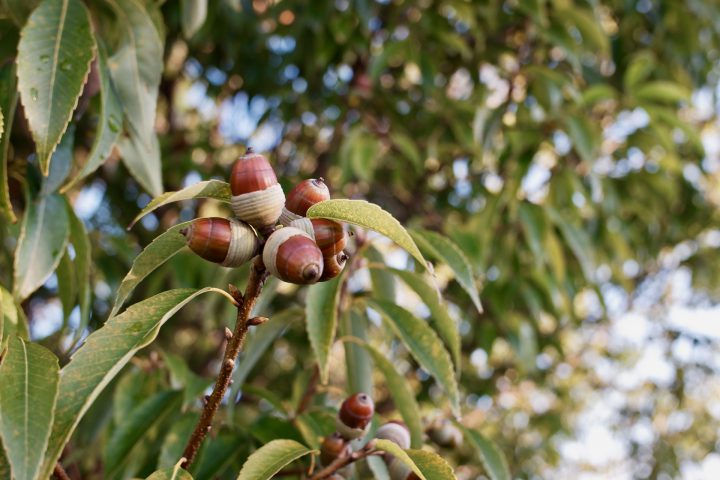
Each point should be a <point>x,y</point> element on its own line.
<point>271,458</point>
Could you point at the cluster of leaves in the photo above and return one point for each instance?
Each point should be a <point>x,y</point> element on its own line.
<point>553,143</point>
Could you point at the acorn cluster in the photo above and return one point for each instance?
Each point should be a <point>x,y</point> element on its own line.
<point>304,251</point>
<point>353,422</point>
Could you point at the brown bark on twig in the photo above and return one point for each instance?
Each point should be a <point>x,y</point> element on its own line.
<point>60,472</point>
<point>342,462</point>
<point>258,274</point>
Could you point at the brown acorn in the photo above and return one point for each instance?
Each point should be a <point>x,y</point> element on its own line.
<point>228,242</point>
<point>331,238</point>
<point>395,431</point>
<point>355,415</point>
<point>291,255</point>
<point>305,194</point>
<point>333,447</point>
<point>257,197</point>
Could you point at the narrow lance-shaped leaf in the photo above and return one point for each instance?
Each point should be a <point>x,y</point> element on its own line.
<point>61,162</point>
<point>172,473</point>
<point>83,255</point>
<point>66,285</point>
<point>109,122</point>
<point>433,466</point>
<point>321,311</point>
<point>143,161</point>
<point>358,363</point>
<point>216,189</point>
<point>162,249</point>
<point>401,393</point>
<point>134,427</point>
<point>103,355</point>
<point>271,458</point>
<point>442,248</point>
<point>28,390</point>
<point>395,450</point>
<point>424,345</point>
<point>367,215</point>
<point>492,459</point>
<point>54,54</point>
<point>42,242</point>
<point>445,325</point>
<point>174,442</point>
<point>8,102</point>
<point>194,13</point>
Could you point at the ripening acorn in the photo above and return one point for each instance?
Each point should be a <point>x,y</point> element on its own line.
<point>257,197</point>
<point>305,194</point>
<point>332,447</point>
<point>355,415</point>
<point>331,238</point>
<point>291,255</point>
<point>398,470</point>
<point>395,431</point>
<point>228,242</point>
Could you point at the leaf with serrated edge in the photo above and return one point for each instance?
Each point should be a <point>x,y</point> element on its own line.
<point>42,242</point>
<point>442,248</point>
<point>424,345</point>
<point>109,124</point>
<point>394,449</point>
<point>399,388</point>
<point>433,466</point>
<point>367,215</point>
<point>8,101</point>
<point>321,313</point>
<point>172,473</point>
<point>271,458</point>
<point>132,429</point>
<point>216,189</point>
<point>103,355</point>
<point>163,248</point>
<point>54,54</point>
<point>28,390</point>
<point>492,459</point>
<point>445,325</point>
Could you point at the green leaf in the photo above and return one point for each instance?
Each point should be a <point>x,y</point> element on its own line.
<point>83,256</point>
<point>433,466</point>
<point>592,33</point>
<point>271,458</point>
<point>143,161</point>
<point>61,162</point>
<point>445,250</point>
<point>172,473</point>
<point>445,325</point>
<point>383,282</point>
<point>662,91</point>
<point>194,13</point>
<point>216,189</point>
<point>42,242</point>
<point>28,390</point>
<point>163,248</point>
<point>136,68</point>
<point>134,427</point>
<point>597,93</point>
<point>367,215</point>
<point>8,102</point>
<point>492,459</point>
<point>357,360</point>
<point>394,449</point>
<point>259,341</point>
<point>219,454</point>
<point>13,319</point>
<point>407,146</point>
<point>402,395</point>
<point>54,54</point>
<point>109,124</point>
<point>585,139</point>
<point>103,355</point>
<point>639,69</point>
<point>19,10</point>
<point>66,285</point>
<point>424,345</point>
<point>321,313</point>
<point>578,241</point>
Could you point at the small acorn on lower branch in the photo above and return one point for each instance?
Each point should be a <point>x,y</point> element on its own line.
<point>228,242</point>
<point>291,255</point>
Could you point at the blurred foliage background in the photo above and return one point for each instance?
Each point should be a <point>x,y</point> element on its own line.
<point>570,148</point>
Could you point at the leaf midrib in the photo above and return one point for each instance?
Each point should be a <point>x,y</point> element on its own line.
<point>56,56</point>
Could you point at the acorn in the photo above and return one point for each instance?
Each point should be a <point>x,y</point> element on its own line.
<point>445,434</point>
<point>355,415</point>
<point>332,447</point>
<point>331,238</point>
<point>395,431</point>
<point>291,255</point>
<point>398,470</point>
<point>228,242</point>
<point>305,194</point>
<point>257,197</point>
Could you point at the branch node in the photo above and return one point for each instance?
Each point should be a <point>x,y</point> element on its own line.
<point>228,333</point>
<point>257,321</point>
<point>236,294</point>
<point>229,363</point>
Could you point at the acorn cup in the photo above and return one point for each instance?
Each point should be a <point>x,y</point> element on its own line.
<point>291,255</point>
<point>305,194</point>
<point>228,242</point>
<point>331,238</point>
<point>355,415</point>
<point>257,197</point>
